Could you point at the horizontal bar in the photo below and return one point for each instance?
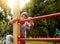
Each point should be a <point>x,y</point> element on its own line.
<point>40,39</point>
<point>41,17</point>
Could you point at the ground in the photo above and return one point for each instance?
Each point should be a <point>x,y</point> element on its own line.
<point>38,42</point>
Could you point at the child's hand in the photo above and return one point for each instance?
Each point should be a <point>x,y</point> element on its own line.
<point>29,18</point>
<point>31,22</point>
<point>13,20</point>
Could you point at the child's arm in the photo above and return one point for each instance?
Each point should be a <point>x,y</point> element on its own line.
<point>10,23</point>
<point>13,21</point>
<point>31,22</point>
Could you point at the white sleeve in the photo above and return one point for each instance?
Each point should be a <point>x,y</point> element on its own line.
<point>29,25</point>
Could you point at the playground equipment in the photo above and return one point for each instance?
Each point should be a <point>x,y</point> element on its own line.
<point>41,17</point>
<point>17,28</point>
<point>40,39</point>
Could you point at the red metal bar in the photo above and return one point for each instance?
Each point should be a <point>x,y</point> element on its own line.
<point>40,17</point>
<point>40,39</point>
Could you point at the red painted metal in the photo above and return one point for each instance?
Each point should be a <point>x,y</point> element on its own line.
<point>40,39</point>
<point>41,17</point>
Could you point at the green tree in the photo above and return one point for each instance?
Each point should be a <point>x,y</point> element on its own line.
<point>4,21</point>
<point>44,7</point>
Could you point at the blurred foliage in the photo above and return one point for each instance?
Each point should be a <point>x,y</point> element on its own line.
<point>46,27</point>
<point>4,28</point>
<point>5,11</point>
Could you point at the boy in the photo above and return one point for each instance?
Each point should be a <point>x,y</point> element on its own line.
<point>25,25</point>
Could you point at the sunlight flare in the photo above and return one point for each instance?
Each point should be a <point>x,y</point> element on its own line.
<point>22,3</point>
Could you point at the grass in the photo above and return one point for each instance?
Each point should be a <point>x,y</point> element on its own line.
<point>38,42</point>
<point>1,43</point>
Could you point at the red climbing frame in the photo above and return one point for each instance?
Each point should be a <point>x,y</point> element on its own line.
<point>41,17</point>
<point>40,39</point>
